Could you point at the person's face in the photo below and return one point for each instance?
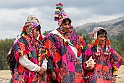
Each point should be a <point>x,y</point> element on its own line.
<point>101,38</point>
<point>66,26</point>
<point>36,33</point>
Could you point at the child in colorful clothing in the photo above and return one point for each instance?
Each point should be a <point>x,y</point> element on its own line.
<point>101,62</point>
<point>30,59</point>
<point>65,49</point>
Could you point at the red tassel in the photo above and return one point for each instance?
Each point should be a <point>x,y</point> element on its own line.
<point>79,52</point>
<point>24,29</point>
<point>90,45</point>
<point>107,42</point>
<point>103,44</point>
<point>96,42</point>
<point>59,4</point>
<point>40,37</point>
<point>15,81</point>
<point>71,27</point>
<point>69,31</point>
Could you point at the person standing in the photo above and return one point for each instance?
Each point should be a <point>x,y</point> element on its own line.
<point>101,62</point>
<point>29,55</point>
<point>65,50</point>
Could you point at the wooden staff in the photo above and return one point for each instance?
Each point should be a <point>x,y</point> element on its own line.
<point>39,52</point>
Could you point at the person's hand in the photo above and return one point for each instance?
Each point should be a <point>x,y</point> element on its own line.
<point>42,71</point>
<point>53,75</point>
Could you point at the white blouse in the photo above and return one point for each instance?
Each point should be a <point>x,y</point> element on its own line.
<point>24,61</point>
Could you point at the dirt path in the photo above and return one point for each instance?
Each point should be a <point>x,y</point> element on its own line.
<point>121,75</point>
<point>5,76</point>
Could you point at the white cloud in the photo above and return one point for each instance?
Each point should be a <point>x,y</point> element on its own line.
<point>9,34</point>
<point>12,21</point>
<point>14,13</point>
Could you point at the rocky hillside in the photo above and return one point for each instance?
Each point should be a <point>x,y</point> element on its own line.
<point>114,26</point>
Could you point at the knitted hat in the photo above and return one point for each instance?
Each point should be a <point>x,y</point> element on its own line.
<point>94,34</point>
<point>31,23</point>
<point>60,14</point>
<point>34,19</point>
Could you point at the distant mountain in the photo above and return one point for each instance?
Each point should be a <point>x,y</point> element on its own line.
<point>113,27</point>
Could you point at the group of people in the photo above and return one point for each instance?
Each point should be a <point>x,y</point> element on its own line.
<point>62,56</point>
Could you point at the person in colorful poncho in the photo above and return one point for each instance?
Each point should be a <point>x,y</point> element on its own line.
<point>101,62</point>
<point>30,55</point>
<point>65,51</point>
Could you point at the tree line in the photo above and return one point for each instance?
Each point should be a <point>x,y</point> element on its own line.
<point>116,42</point>
<point>5,45</point>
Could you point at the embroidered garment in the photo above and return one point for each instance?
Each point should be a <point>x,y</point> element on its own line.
<point>66,64</point>
<point>28,45</point>
<point>22,74</point>
<point>60,14</point>
<point>106,63</point>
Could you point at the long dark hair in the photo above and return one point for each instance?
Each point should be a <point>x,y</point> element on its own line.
<point>39,28</point>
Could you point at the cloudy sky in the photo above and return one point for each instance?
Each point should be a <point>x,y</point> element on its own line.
<point>13,13</point>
